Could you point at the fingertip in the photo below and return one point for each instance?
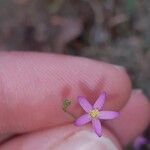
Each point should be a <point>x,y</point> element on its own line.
<point>134,118</point>
<point>64,138</point>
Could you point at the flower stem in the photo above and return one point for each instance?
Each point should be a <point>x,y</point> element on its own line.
<point>71,114</point>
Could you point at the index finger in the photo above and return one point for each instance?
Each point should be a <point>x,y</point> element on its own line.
<point>34,85</point>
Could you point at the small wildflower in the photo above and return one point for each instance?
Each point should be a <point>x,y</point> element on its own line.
<point>94,113</point>
<point>139,142</point>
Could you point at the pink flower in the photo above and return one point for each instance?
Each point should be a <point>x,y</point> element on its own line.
<point>94,113</point>
<point>139,142</point>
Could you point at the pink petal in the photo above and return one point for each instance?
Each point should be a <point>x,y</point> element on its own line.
<point>100,101</point>
<point>83,120</point>
<point>85,104</point>
<point>97,127</point>
<point>108,115</point>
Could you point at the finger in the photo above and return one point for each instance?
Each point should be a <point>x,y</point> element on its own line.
<point>34,85</point>
<point>134,118</point>
<point>64,138</point>
<point>5,137</point>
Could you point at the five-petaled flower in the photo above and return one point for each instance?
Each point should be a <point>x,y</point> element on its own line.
<point>95,113</point>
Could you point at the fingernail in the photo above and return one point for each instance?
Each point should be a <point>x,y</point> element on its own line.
<point>120,67</point>
<point>86,140</point>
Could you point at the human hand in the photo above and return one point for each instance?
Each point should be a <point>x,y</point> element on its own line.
<point>33,87</point>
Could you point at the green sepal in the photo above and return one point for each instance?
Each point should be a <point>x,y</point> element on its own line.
<point>66,104</point>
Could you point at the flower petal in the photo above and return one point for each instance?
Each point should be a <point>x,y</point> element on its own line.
<point>83,120</point>
<point>100,101</point>
<point>108,115</point>
<point>97,127</point>
<point>85,104</point>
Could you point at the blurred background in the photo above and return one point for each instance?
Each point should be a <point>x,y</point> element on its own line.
<point>114,31</point>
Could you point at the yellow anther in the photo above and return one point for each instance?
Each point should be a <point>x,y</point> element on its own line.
<point>94,113</point>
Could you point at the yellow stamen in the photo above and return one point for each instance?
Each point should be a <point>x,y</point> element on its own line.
<point>94,113</point>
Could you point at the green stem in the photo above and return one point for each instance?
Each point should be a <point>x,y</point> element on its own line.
<point>71,114</point>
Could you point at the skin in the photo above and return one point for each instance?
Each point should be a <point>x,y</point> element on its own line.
<point>33,87</point>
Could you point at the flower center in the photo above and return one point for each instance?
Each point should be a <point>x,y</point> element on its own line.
<point>94,113</point>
